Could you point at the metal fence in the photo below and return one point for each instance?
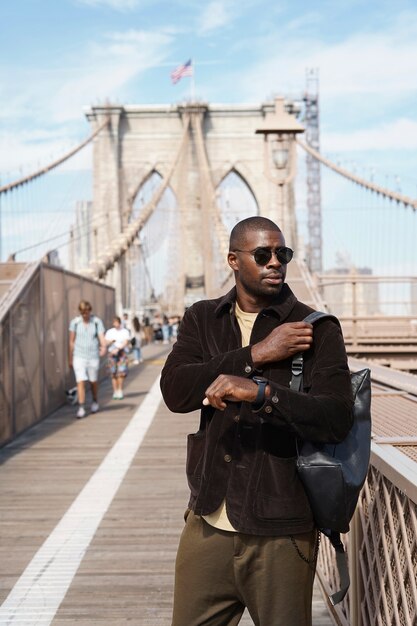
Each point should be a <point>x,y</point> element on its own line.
<point>34,320</point>
<point>382,547</point>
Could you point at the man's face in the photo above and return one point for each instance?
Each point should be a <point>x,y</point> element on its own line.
<point>86,314</point>
<point>257,281</point>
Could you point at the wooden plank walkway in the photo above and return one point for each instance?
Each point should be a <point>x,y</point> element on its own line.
<point>126,575</point>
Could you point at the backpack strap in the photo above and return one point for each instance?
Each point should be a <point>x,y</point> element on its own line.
<point>297,363</point>
<point>297,360</point>
<point>95,324</point>
<point>342,567</point>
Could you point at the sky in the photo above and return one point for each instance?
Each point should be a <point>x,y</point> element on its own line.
<point>57,57</point>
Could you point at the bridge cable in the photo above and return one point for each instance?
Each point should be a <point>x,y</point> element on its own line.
<point>383,191</point>
<point>54,164</point>
<point>208,196</point>
<point>99,268</point>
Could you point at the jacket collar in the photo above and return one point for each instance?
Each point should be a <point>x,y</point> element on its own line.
<point>281,307</point>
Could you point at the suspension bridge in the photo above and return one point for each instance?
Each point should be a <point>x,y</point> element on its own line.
<point>146,230</point>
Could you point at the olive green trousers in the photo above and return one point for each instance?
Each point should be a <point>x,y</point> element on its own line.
<point>219,573</point>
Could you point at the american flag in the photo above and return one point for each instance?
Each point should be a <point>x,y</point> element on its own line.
<point>181,71</point>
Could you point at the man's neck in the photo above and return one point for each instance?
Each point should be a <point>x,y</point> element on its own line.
<point>253,304</point>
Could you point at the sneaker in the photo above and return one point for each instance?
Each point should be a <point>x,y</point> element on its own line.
<point>116,395</point>
<point>94,407</point>
<point>81,412</point>
<point>120,395</point>
<point>136,362</point>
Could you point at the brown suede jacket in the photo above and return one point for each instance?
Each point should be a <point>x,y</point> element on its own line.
<point>248,456</point>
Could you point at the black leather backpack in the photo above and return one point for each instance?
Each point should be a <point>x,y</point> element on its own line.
<point>333,474</point>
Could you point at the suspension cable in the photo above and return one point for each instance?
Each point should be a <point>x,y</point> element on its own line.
<point>208,196</point>
<point>99,268</point>
<point>51,166</point>
<point>383,191</point>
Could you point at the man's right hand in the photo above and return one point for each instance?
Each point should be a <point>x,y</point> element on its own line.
<point>283,342</point>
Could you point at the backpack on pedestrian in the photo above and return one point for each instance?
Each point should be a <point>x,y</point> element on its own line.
<point>334,474</point>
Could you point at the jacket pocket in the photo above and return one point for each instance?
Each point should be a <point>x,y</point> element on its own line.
<point>194,464</point>
<point>279,491</point>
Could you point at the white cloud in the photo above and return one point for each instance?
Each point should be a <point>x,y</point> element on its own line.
<point>56,99</point>
<point>110,65</point>
<point>380,63</point>
<point>214,16</point>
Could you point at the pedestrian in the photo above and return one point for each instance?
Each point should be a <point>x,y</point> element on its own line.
<point>126,322</point>
<point>86,345</point>
<point>136,341</point>
<point>165,330</point>
<point>117,339</point>
<point>249,538</point>
<point>157,328</point>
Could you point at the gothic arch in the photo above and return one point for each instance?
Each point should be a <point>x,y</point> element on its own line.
<point>235,198</point>
<point>145,174</point>
<point>243,171</point>
<point>148,184</point>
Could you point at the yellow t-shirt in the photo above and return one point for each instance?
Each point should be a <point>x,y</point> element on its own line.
<point>219,518</point>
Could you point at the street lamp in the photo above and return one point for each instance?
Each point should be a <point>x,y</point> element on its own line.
<point>279,130</point>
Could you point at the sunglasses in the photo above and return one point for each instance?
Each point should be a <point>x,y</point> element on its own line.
<point>262,256</point>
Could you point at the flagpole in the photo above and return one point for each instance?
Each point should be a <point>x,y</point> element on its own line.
<point>192,82</point>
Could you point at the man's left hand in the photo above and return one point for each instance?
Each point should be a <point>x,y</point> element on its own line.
<point>230,388</point>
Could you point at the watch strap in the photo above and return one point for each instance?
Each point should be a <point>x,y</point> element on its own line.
<point>260,396</point>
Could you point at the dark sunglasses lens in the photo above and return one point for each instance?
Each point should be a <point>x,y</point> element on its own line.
<point>284,255</point>
<point>262,256</point>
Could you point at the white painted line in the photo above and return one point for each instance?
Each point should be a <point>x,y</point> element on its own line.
<point>37,594</point>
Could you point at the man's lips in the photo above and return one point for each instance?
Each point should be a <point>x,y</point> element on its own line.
<point>273,279</point>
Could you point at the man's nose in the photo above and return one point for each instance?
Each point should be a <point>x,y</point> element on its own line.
<point>274,260</point>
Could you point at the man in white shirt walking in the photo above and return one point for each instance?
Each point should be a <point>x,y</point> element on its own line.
<point>86,345</point>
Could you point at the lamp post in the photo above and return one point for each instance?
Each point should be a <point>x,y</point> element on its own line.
<point>279,131</point>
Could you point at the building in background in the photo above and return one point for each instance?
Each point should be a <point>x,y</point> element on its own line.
<point>81,236</point>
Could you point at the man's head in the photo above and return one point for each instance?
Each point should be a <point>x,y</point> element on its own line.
<point>258,257</point>
<point>117,322</point>
<point>85,309</point>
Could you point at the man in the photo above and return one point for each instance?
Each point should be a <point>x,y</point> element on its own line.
<point>86,345</point>
<point>249,538</point>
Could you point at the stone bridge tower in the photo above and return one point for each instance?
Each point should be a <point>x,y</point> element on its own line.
<point>221,139</point>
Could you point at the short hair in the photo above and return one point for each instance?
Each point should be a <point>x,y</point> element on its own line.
<point>255,223</point>
<point>84,306</point>
<point>116,318</point>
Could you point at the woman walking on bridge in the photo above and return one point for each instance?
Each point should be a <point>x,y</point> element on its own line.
<point>117,339</point>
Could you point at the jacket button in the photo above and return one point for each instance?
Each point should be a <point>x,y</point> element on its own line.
<point>236,418</point>
<point>227,458</point>
<point>275,399</point>
<point>268,409</point>
<point>248,369</point>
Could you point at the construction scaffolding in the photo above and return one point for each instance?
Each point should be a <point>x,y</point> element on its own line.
<point>312,135</point>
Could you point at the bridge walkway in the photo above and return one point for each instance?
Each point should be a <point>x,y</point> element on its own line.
<point>91,512</point>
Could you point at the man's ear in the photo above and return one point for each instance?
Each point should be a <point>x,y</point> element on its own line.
<point>232,261</point>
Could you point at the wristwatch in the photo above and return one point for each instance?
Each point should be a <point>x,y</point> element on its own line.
<point>262,383</point>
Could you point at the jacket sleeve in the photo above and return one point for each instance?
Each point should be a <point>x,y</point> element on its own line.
<point>323,412</point>
<point>189,369</point>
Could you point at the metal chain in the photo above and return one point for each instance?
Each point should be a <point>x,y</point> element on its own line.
<point>311,562</point>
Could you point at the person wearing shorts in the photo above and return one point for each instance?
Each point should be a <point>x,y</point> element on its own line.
<point>117,339</point>
<point>86,345</point>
